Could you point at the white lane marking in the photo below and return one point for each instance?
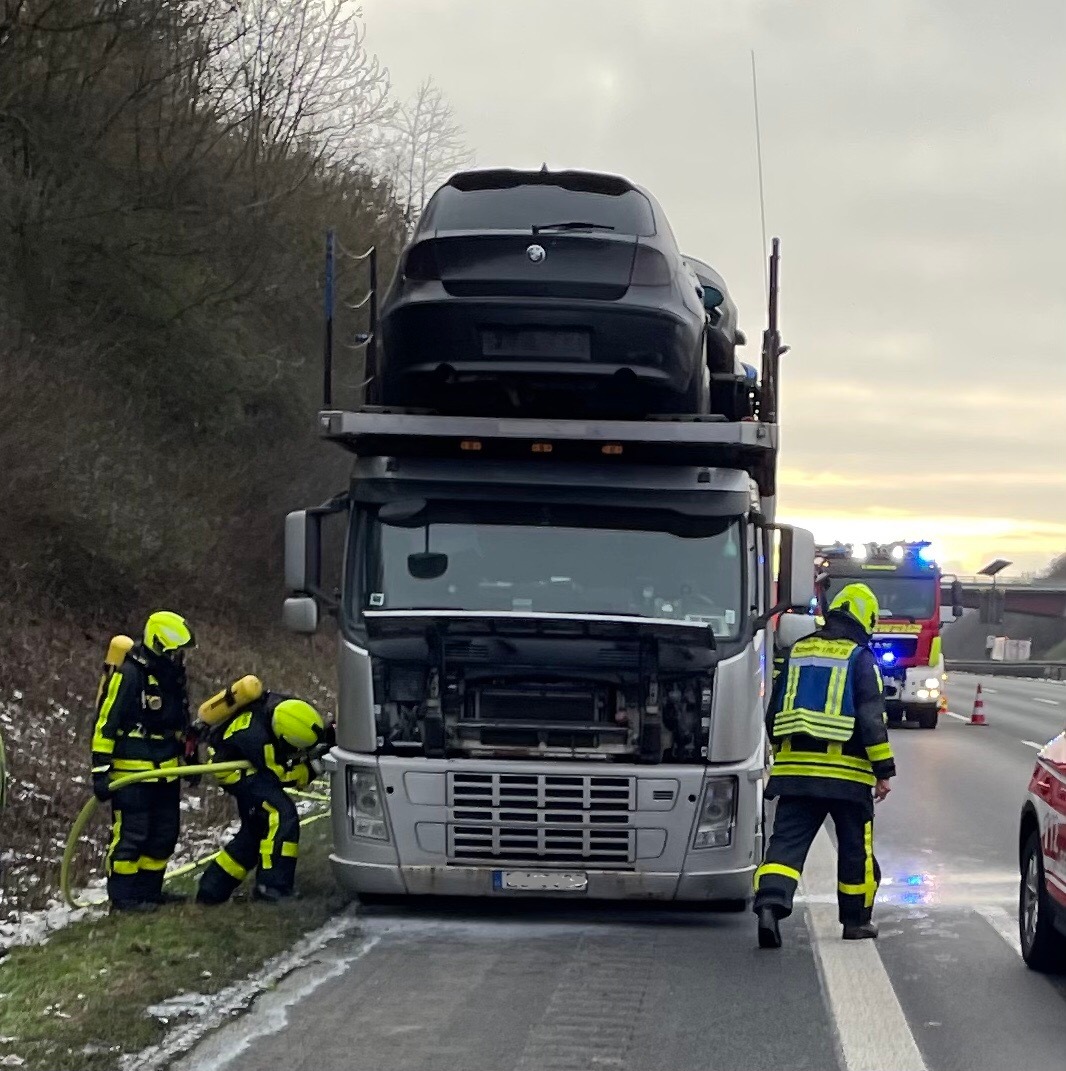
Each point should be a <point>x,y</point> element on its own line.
<point>988,691</point>
<point>1049,702</point>
<point>1003,923</point>
<point>957,717</point>
<point>1033,743</point>
<point>872,1030</point>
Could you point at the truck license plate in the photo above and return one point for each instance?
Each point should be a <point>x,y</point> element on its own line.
<point>539,881</point>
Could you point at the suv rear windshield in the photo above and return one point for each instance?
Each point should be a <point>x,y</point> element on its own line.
<point>521,207</point>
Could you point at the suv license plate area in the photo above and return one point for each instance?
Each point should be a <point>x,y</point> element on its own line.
<point>539,881</point>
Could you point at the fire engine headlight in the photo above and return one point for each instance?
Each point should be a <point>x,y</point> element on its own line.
<point>718,813</point>
<point>933,684</point>
<point>366,811</point>
<point>923,693</point>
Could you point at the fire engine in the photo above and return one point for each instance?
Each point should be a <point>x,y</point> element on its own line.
<point>906,579</point>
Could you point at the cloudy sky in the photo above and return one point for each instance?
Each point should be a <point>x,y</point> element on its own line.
<point>915,159</point>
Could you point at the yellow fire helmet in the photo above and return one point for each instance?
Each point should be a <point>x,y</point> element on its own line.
<point>297,723</point>
<point>166,631</point>
<point>859,602</point>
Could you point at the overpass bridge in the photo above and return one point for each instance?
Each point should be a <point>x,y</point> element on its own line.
<point>1037,598</point>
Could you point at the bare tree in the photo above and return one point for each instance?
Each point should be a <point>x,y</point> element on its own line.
<point>421,147</point>
<point>302,77</point>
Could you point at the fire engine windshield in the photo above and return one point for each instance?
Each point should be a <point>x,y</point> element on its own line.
<point>899,596</point>
<point>558,559</point>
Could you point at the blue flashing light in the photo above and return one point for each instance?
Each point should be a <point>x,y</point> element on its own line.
<point>926,555</point>
<point>887,657</point>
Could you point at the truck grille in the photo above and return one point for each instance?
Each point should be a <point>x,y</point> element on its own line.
<point>540,818</point>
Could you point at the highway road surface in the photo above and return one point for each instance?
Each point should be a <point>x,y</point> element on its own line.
<point>478,986</point>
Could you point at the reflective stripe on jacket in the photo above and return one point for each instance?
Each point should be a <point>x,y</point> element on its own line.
<point>819,696</point>
<point>826,719</point>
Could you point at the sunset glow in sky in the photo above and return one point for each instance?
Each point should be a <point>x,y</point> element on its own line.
<point>915,160</point>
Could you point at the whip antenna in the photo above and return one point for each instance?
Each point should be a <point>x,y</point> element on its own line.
<point>758,155</point>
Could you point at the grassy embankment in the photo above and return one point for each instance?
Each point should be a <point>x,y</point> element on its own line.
<point>80,1001</point>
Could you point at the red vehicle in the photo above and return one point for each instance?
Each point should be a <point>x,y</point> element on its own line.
<point>1042,855</point>
<point>906,580</point>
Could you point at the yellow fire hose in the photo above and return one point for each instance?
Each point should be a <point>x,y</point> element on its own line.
<point>86,813</point>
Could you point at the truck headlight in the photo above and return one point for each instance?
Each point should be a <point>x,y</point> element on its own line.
<point>718,813</point>
<point>933,684</point>
<point>923,693</point>
<point>366,811</point>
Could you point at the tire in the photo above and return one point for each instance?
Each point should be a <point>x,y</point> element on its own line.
<point>1043,947</point>
<point>927,717</point>
<point>894,713</point>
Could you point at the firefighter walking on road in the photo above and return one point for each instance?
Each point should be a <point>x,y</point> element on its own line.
<point>142,719</point>
<point>279,735</point>
<point>832,758</point>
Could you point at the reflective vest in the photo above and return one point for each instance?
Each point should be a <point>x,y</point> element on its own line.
<point>818,699</point>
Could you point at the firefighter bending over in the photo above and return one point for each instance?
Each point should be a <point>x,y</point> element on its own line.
<point>279,735</point>
<point>142,719</point>
<point>832,757</point>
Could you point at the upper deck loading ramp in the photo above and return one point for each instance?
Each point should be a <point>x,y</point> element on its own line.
<point>712,441</point>
<point>705,441</point>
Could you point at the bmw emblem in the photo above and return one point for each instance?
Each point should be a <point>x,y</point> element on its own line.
<point>536,253</point>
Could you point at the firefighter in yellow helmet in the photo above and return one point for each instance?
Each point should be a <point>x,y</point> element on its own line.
<point>141,722</point>
<point>282,737</point>
<point>826,722</point>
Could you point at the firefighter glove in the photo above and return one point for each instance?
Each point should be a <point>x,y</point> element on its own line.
<point>102,786</point>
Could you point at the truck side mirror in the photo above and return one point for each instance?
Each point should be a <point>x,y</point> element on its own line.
<point>797,561</point>
<point>795,570</point>
<point>303,561</point>
<point>303,551</point>
<point>793,627</point>
<point>300,614</point>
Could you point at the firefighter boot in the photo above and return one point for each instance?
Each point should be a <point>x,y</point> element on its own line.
<point>865,931</point>
<point>769,931</point>
<point>137,907</point>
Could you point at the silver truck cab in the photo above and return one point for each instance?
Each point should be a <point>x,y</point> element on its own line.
<point>553,656</point>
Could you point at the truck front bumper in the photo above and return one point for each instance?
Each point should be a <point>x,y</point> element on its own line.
<point>379,879</point>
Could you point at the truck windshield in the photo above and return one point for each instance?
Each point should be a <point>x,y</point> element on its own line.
<point>898,596</point>
<point>553,561</point>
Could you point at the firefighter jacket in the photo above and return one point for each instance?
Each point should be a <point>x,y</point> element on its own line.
<point>826,719</point>
<point>143,715</point>
<point>249,735</point>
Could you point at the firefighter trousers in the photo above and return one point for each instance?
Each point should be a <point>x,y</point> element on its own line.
<point>796,824</point>
<point>145,820</point>
<point>267,841</point>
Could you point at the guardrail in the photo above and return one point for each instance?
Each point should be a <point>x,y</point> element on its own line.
<point>1055,671</point>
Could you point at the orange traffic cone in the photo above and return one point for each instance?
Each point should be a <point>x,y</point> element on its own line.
<point>978,715</point>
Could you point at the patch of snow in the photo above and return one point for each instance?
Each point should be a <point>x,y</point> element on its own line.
<point>184,1004</point>
<point>35,927</point>
<point>237,997</point>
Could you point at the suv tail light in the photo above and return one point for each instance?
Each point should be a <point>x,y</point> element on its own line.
<point>421,263</point>
<point>650,268</point>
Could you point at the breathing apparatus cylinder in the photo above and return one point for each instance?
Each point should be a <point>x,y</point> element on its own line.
<point>225,704</point>
<point>117,650</point>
